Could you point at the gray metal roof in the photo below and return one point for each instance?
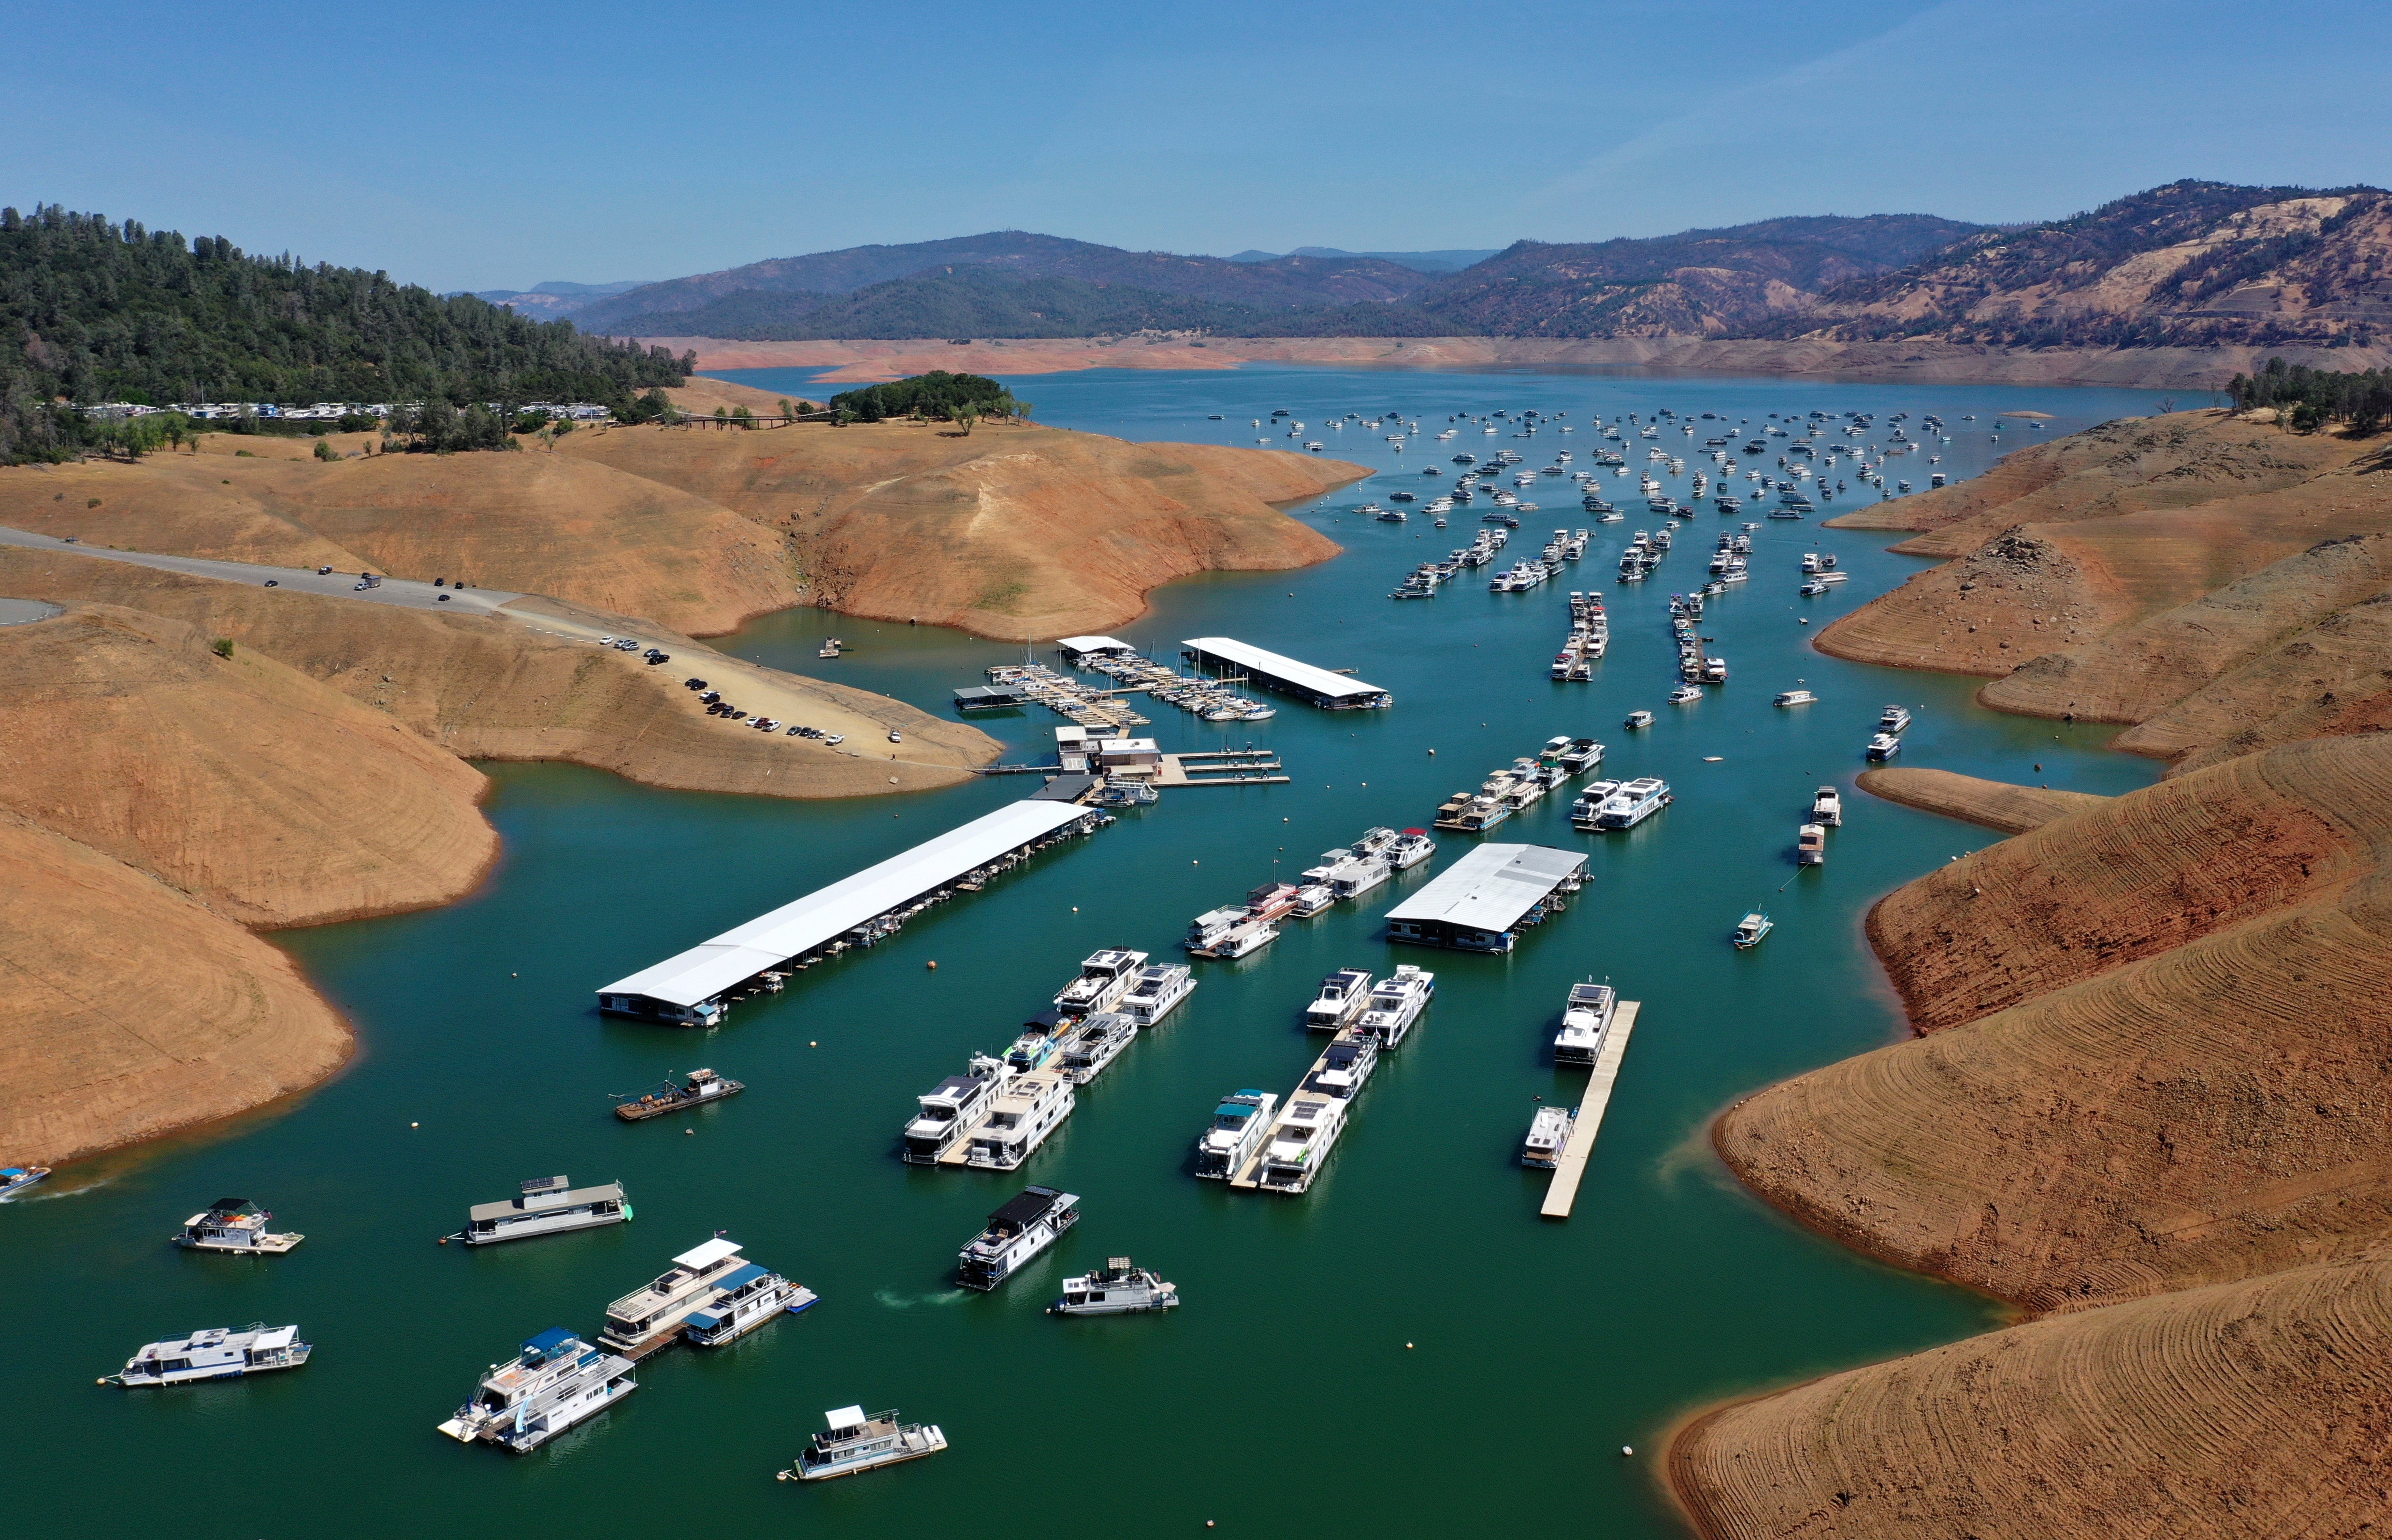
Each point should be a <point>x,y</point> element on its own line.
<point>571,1199</point>
<point>793,930</point>
<point>1491,887</point>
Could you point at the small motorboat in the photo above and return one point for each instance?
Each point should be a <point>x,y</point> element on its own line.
<point>1750,930</point>
<point>1117,1288</point>
<point>16,1178</point>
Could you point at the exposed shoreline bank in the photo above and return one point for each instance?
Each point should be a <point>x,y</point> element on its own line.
<point>1930,362</point>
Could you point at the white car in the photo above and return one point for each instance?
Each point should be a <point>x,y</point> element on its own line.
<point>896,736</point>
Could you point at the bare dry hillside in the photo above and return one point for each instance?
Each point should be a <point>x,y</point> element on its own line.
<point>2252,1409</point>
<point>2213,581</point>
<point>1016,533</point>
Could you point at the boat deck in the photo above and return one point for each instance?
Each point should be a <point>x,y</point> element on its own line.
<point>1571,1167</point>
<point>1246,1178</point>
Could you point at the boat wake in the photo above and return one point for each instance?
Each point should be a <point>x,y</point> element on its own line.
<point>895,1300</point>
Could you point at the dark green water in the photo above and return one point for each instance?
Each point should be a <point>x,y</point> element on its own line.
<point>1282,1400</point>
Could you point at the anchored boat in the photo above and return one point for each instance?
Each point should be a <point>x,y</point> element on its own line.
<point>948,1108</point>
<point>549,1205</point>
<point>556,1382</point>
<point>234,1225</point>
<point>1396,1003</point>
<point>1751,930</point>
<point>698,1086</point>
<point>855,1443</point>
<point>1586,1021</point>
<point>1547,1134</point>
<point>1342,995</point>
<point>217,1352</point>
<point>1158,991</point>
<point>651,1316</point>
<point>1120,1287</point>
<point>1104,979</point>
<point>750,1296</point>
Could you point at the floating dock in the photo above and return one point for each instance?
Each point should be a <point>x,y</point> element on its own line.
<point>1221,768</point>
<point>1323,688</point>
<point>1571,1169</point>
<point>1330,1102</point>
<point>692,988</point>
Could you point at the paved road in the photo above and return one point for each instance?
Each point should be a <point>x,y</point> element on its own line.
<point>406,593</point>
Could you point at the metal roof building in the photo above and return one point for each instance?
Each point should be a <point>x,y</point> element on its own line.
<point>1081,646</point>
<point>1268,669</point>
<point>689,986</point>
<point>1484,901</point>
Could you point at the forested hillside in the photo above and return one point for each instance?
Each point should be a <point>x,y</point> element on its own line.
<point>93,311</point>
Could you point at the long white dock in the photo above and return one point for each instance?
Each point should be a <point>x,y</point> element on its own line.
<point>1571,1167</point>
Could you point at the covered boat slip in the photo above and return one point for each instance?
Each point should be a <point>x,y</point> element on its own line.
<point>1570,1169</point>
<point>689,988</point>
<point>1333,691</point>
<point>1483,902</point>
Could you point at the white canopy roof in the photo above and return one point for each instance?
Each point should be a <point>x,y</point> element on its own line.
<point>1301,675</point>
<point>769,940</point>
<point>1490,887</point>
<point>1092,644</point>
<point>698,1257</point>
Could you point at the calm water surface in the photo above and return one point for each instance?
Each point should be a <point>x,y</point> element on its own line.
<point>1407,1350</point>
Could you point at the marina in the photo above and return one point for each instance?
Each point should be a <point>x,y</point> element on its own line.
<point>1291,1155</point>
<point>1570,1167</point>
<point>587,886</point>
<point>1331,691</point>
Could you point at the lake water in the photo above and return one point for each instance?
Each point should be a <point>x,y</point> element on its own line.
<point>1406,1349</point>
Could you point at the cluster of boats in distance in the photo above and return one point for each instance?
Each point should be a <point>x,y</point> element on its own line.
<point>1519,786</point>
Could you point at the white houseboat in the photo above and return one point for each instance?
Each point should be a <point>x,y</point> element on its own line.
<point>1342,995</point>
<point>1094,1043</point>
<point>1300,1142</point>
<point>1547,1131</point>
<point>1157,992</point>
<point>1586,1021</point>
<point>1396,1003</point>
<point>547,1207</point>
<point>1020,1118</point>
<point>749,1296</point>
<point>557,1381</point>
<point>1239,1124</point>
<point>1016,1233</point>
<point>1104,979</point>
<point>1633,802</point>
<point>1120,1287</point>
<point>950,1107</point>
<point>651,1316</point>
<point>216,1354</point>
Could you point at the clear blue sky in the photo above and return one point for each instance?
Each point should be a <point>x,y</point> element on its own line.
<point>496,146</point>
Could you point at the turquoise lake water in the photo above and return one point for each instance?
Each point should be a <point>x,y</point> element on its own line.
<point>1406,1349</point>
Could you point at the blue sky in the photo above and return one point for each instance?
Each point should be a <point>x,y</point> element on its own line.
<point>477,146</point>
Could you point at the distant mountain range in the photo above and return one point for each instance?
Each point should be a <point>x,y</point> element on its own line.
<point>2191,263</point>
<point>1428,262</point>
<point>549,300</point>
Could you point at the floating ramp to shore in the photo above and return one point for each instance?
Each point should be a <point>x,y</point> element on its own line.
<point>1571,1167</point>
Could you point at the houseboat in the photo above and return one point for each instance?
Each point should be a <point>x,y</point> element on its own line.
<point>1751,931</point>
<point>1586,1022</point>
<point>556,1382</point>
<point>1589,805</point>
<point>749,1296</point>
<point>1896,719</point>
<point>1409,849</point>
<point>1094,1043</point>
<point>1827,807</point>
<point>547,1205</point>
<point>1016,1233</point>
<point>698,1086</point>
<point>1120,1287</point>
<point>1342,995</point>
<point>1633,802</point>
<point>950,1107</point>
<point>1884,746</point>
<point>1300,1143</point>
<point>1104,978</point>
<point>856,1442</point>
<point>215,1353</point>
<point>1239,1124</point>
<point>651,1315</point>
<point>1019,1118</point>
<point>1810,845</point>
<point>234,1225</point>
<point>1795,698</point>
<point>1396,1003</point>
<point>1548,1132</point>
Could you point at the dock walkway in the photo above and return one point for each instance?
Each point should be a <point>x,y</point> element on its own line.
<point>1571,1169</point>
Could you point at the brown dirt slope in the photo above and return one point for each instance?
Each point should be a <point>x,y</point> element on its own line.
<point>1018,532</point>
<point>2186,1073</point>
<point>131,1009</point>
<point>2162,523</point>
<point>492,688</point>
<point>2244,1410</point>
<point>268,796</point>
<point>533,522</point>
<point>1996,805</point>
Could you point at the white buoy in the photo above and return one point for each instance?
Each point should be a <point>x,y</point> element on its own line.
<point>1626,1450</point>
